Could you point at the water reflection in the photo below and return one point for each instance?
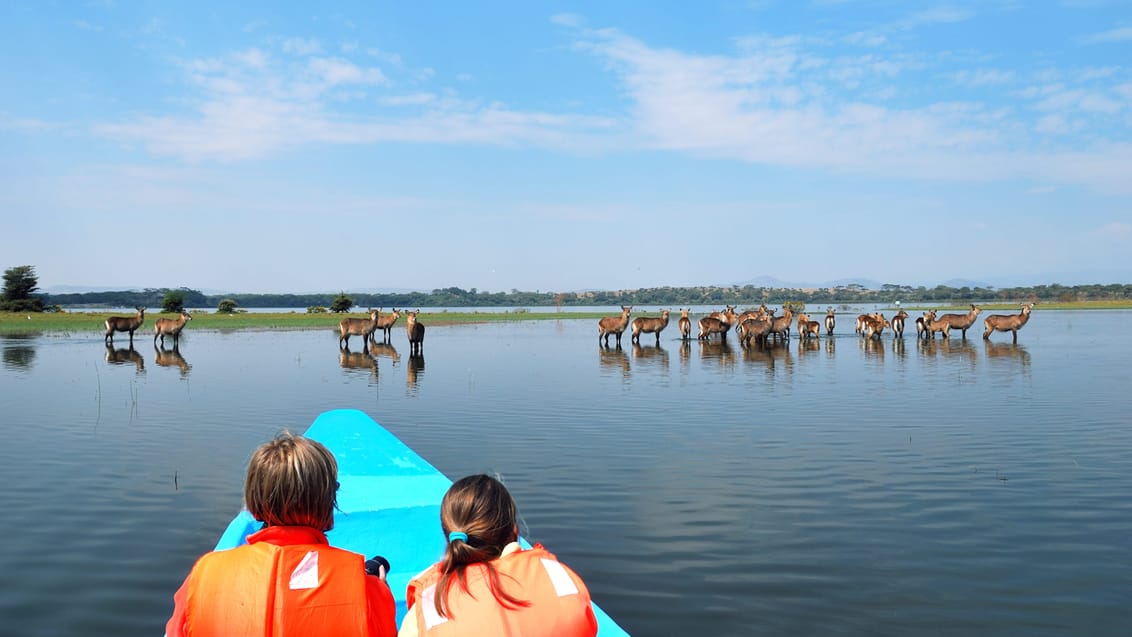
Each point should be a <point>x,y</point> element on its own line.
<point>898,348</point>
<point>357,361</point>
<point>19,351</point>
<point>613,359</point>
<point>172,358</point>
<point>414,371</point>
<point>719,351</point>
<point>874,348</point>
<point>1007,353</point>
<point>125,356</point>
<point>949,347</point>
<point>385,350</point>
<point>652,355</point>
<point>807,345</point>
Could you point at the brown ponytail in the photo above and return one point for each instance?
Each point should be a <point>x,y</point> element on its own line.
<point>482,509</point>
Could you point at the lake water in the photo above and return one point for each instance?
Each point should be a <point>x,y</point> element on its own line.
<point>842,487</point>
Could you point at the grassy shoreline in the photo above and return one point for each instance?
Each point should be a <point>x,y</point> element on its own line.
<point>71,322</point>
<point>23,323</point>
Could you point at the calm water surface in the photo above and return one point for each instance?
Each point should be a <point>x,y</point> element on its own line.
<point>843,487</point>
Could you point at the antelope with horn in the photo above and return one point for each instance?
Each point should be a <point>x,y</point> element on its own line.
<point>829,322</point>
<point>614,325</point>
<point>163,327</point>
<point>781,324</point>
<point>385,324</point>
<point>649,325</point>
<point>807,328</point>
<point>1007,322</point>
<point>754,329</point>
<point>358,327</point>
<point>415,330</point>
<point>123,324</point>
<point>717,323</point>
<point>960,321</point>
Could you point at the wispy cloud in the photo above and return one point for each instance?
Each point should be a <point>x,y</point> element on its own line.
<point>1122,34</point>
<point>251,104</point>
<point>766,106</point>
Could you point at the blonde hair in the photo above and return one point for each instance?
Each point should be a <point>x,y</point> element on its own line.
<point>292,481</point>
<point>482,509</point>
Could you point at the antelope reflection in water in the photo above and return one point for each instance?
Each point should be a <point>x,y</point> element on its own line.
<point>650,355</point>
<point>172,358</point>
<point>718,350</point>
<point>357,360</point>
<point>125,356</point>
<point>386,350</point>
<point>772,356</point>
<point>1006,355</point>
<point>414,371</point>
<point>949,348</point>
<point>613,359</point>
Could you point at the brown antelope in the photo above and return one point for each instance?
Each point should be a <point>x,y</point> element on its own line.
<point>874,325</point>
<point>781,324</point>
<point>1007,322</point>
<point>358,327</point>
<point>685,325</point>
<point>860,326</point>
<point>922,326</point>
<point>614,325</point>
<point>807,328</point>
<point>717,323</point>
<point>898,323</point>
<point>961,321</point>
<point>163,327</point>
<point>415,331</point>
<point>829,322</point>
<point>123,324</point>
<point>933,325</point>
<point>171,358</point>
<point>754,329</point>
<point>649,325</point>
<point>385,324</point>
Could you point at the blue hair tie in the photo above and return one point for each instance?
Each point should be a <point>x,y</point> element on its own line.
<point>457,535</point>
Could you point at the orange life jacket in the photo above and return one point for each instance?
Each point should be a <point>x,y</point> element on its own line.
<point>559,600</point>
<point>268,590</point>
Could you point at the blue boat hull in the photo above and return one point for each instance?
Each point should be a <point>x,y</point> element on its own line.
<point>389,503</point>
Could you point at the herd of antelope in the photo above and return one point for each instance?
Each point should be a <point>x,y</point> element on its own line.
<point>755,327</point>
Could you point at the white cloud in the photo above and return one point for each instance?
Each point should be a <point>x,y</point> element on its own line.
<point>1116,229</point>
<point>301,46</point>
<point>415,99</point>
<point>982,77</point>
<point>1122,34</point>
<point>335,71</point>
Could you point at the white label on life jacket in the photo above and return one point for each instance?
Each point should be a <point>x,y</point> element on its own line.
<point>305,574</point>
<point>563,585</point>
<point>428,608</point>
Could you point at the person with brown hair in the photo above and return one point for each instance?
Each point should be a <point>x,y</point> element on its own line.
<point>287,580</point>
<point>486,584</point>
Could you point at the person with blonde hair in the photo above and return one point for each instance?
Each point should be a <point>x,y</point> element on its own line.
<point>287,580</point>
<point>486,584</point>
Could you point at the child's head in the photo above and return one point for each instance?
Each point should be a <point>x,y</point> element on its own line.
<point>482,508</point>
<point>479,518</point>
<point>292,481</point>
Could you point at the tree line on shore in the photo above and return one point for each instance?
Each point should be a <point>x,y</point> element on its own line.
<point>702,295</point>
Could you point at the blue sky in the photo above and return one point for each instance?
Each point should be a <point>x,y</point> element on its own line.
<point>249,147</point>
